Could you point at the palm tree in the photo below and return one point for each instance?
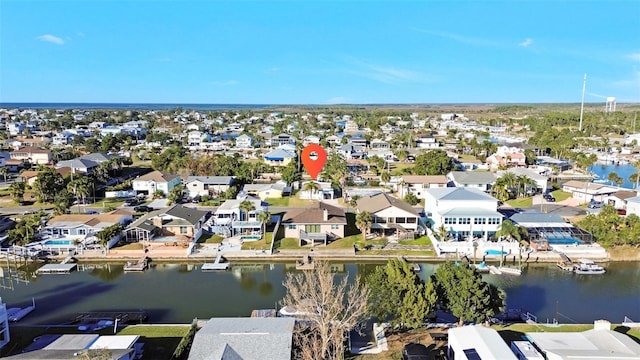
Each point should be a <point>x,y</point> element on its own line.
<point>512,231</point>
<point>4,171</point>
<point>613,177</point>
<point>385,177</point>
<point>264,217</point>
<point>312,187</point>
<point>17,191</point>
<point>246,206</point>
<point>80,187</point>
<point>364,219</point>
<point>525,183</point>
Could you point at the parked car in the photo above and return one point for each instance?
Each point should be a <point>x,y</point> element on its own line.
<point>595,204</point>
<point>132,202</point>
<point>142,208</point>
<point>549,198</point>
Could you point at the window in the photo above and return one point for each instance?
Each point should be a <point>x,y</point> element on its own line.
<point>82,231</point>
<point>464,221</point>
<point>479,221</point>
<point>450,221</point>
<point>292,227</point>
<point>401,220</point>
<point>412,220</point>
<point>335,227</point>
<point>312,228</point>
<point>494,221</point>
<point>183,229</point>
<point>65,231</point>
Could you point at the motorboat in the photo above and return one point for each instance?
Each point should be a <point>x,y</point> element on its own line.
<point>588,267</point>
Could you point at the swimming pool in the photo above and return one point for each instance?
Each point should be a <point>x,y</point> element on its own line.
<point>495,252</point>
<point>564,241</point>
<point>58,242</point>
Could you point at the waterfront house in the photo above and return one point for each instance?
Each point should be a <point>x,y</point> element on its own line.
<point>417,184</point>
<point>156,181</point>
<point>177,223</point>
<point>541,180</point>
<point>462,212</point>
<point>587,191</point>
<point>319,222</point>
<point>545,229</point>
<point>633,206</point>
<point>229,219</point>
<point>32,155</point>
<point>480,180</point>
<point>477,342</point>
<point>207,185</point>
<point>391,216</point>
<point>253,338</point>
<point>76,346</point>
<point>80,226</point>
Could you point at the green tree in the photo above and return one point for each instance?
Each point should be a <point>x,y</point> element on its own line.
<point>290,173</point>
<point>385,177</point>
<point>62,202</point>
<point>108,233</point>
<point>335,169</point>
<point>364,219</point>
<point>399,296</point>
<point>246,207</point>
<point>312,187</point>
<point>176,194</point>
<point>25,230</point>
<point>512,231</point>
<point>3,172</point>
<point>462,291</point>
<point>264,217</point>
<point>17,191</point>
<point>47,184</point>
<point>80,187</point>
<point>411,199</point>
<point>435,162</point>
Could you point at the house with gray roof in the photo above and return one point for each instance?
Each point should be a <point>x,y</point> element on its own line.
<point>176,224</point>
<point>207,185</point>
<point>244,339</point>
<point>156,181</point>
<point>462,212</point>
<point>318,222</point>
<point>541,180</point>
<point>391,216</point>
<point>481,180</point>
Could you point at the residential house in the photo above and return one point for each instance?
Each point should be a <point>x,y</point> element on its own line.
<point>15,128</point>
<point>253,338</point>
<point>29,176</point>
<point>319,222</point>
<point>351,151</point>
<point>542,182</point>
<point>619,199</point>
<point>230,220</point>
<point>62,138</point>
<point>82,226</point>
<point>207,185</point>
<point>359,141</point>
<point>176,223</point>
<point>280,157</point>
<point>391,216</point>
<point>463,212</point>
<point>74,346</point>
<point>633,206</point>
<point>480,180</point>
<point>32,155</point>
<point>471,164</point>
<point>333,140</point>
<point>377,144</point>
<point>477,342</point>
<point>156,181</point>
<point>546,229</point>
<point>587,191</point>
<point>427,142</point>
<point>282,139</point>
<point>497,161</point>
<point>13,166</point>
<point>324,192</point>
<point>311,139</point>
<point>244,141</point>
<point>267,191</point>
<point>416,184</point>
<point>84,164</point>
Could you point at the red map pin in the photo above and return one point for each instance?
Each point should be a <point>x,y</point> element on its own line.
<point>313,158</point>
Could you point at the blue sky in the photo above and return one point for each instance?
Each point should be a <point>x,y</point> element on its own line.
<point>324,52</point>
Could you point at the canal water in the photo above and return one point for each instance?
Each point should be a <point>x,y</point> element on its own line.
<point>623,171</point>
<point>179,293</point>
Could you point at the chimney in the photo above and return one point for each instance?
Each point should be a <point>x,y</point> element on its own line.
<point>157,221</point>
<point>325,215</point>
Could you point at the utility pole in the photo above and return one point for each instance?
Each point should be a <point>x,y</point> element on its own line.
<point>584,87</point>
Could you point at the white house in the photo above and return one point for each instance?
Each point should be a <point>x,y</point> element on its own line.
<point>480,180</point>
<point>427,142</point>
<point>619,199</point>
<point>541,180</point>
<point>477,342</point>
<point>229,219</point>
<point>325,191</point>
<point>587,191</point>
<point>633,206</point>
<point>207,185</point>
<point>417,184</point>
<point>244,141</point>
<point>156,180</point>
<point>463,212</point>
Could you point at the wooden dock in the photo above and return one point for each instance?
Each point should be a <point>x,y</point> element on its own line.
<point>564,263</point>
<point>216,265</point>
<point>139,265</point>
<point>57,268</point>
<point>123,317</point>
<point>305,264</point>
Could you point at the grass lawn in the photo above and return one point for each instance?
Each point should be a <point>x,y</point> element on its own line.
<point>397,252</point>
<point>344,243</point>
<point>155,330</point>
<point>132,246</point>
<point>289,243</point>
<point>423,240</point>
<point>560,195</point>
<point>397,168</point>
<point>295,201</point>
<point>210,239</point>
<point>281,202</point>
<point>109,202</point>
<point>521,202</point>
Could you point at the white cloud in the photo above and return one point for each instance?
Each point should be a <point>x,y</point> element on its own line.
<point>634,57</point>
<point>51,38</point>
<point>225,83</point>
<point>527,42</point>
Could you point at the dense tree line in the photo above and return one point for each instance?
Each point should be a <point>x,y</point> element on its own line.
<point>610,229</point>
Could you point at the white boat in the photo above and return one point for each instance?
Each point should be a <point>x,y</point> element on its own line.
<point>510,270</point>
<point>588,267</point>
